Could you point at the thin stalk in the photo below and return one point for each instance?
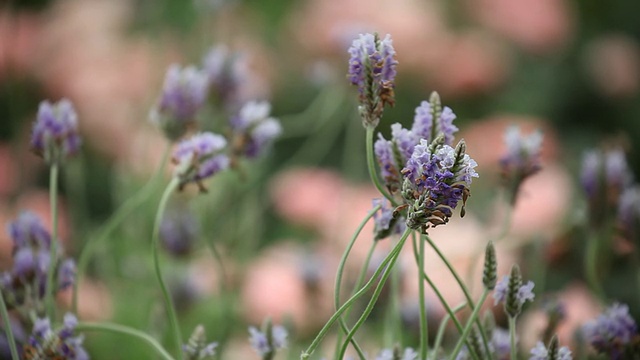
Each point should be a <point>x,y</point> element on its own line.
<point>325,329</point>
<point>512,337</point>
<point>53,248</point>
<point>127,331</point>
<point>7,329</point>
<point>464,289</point>
<point>443,327</point>
<point>424,330</point>
<point>467,328</point>
<point>591,264</point>
<point>371,165</point>
<point>171,312</point>
<point>116,219</point>
<point>395,253</point>
<point>339,274</point>
<point>393,332</point>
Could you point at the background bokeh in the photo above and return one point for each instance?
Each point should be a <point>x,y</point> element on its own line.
<point>568,67</point>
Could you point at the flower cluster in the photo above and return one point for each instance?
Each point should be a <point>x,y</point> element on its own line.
<point>200,157</point>
<point>197,347</point>
<point>386,221</point>
<point>604,177</point>
<point>397,354</point>
<point>253,129</point>
<point>47,343</point>
<point>178,231</point>
<point>372,68</point>
<point>268,341</point>
<point>513,293</point>
<point>611,331</point>
<point>183,94</point>
<point>227,72</point>
<point>522,158</point>
<point>55,133</point>
<point>25,283</point>
<point>541,352</point>
<point>499,346</point>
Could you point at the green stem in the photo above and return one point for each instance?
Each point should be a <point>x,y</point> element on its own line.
<point>116,219</point>
<point>325,329</point>
<point>371,165</point>
<point>338,283</point>
<point>127,331</point>
<point>395,253</point>
<point>464,289</point>
<point>393,329</point>
<point>512,337</point>
<point>467,328</point>
<point>7,328</point>
<point>53,248</point>
<point>591,264</point>
<point>424,330</point>
<point>171,312</point>
<point>443,327</point>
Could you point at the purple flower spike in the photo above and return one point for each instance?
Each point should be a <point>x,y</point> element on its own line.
<point>430,120</point>
<point>611,331</point>
<point>55,133</point>
<point>385,223</point>
<point>28,230</point>
<point>179,231</point>
<point>540,352</point>
<point>522,158</point>
<point>269,341</point>
<point>228,73</point>
<point>200,157</point>
<point>524,294</point>
<point>254,129</point>
<point>183,95</point>
<point>372,68</point>
<point>45,343</point>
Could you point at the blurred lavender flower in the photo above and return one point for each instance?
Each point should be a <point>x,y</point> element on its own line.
<point>253,129</point>
<point>385,223</point>
<point>431,119</point>
<point>437,178</point>
<point>200,157</point>
<point>611,331</point>
<point>183,95</point>
<point>540,352</point>
<point>629,213</point>
<point>178,231</point>
<point>268,341</point>
<point>32,262</point>
<point>393,354</point>
<point>227,73</point>
<point>524,294</point>
<point>521,160</point>
<point>46,343</point>
<point>372,68</point>
<point>197,347</point>
<point>499,346</point>
<point>55,133</point>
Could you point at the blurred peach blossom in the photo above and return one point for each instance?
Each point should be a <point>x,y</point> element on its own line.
<point>8,170</point>
<point>37,201</point>
<point>613,61</point>
<point>94,300</point>
<point>19,32</point>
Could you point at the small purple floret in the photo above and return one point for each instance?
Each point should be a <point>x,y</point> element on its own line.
<point>200,157</point>
<point>55,133</point>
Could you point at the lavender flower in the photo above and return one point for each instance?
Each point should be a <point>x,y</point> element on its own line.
<point>385,222</point>
<point>499,346</point>
<point>178,231</point>
<point>431,119</point>
<point>273,338</point>
<point>254,130</point>
<point>522,158</point>
<point>511,291</point>
<point>183,95</point>
<point>540,352</point>
<point>197,347</point>
<point>524,294</point>
<point>55,133</point>
<point>200,157</point>
<point>611,331</point>
<point>437,178</point>
<point>372,68</point>
<point>392,354</point>
<point>47,343</point>
<point>629,212</point>
<point>227,73</point>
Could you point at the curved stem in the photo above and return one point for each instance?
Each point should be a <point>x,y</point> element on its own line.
<point>467,328</point>
<point>424,330</point>
<point>50,288</point>
<point>127,331</point>
<point>7,328</point>
<point>512,337</point>
<point>464,289</point>
<point>393,256</point>
<point>171,312</point>
<point>371,165</point>
<point>443,326</point>
<point>116,219</point>
<point>338,283</point>
<point>325,329</point>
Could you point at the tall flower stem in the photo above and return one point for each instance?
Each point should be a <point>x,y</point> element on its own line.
<point>50,288</point>
<point>424,330</point>
<point>392,257</point>
<point>171,312</point>
<point>390,260</point>
<point>443,327</point>
<point>469,326</point>
<point>464,289</point>
<point>116,219</point>
<point>393,330</point>
<point>591,263</point>
<point>7,328</point>
<point>512,337</point>
<point>127,331</point>
<point>339,274</point>
<point>371,165</point>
